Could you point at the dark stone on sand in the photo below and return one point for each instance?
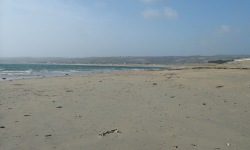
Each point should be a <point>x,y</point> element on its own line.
<point>219,86</point>
<point>2,127</point>
<point>172,96</point>
<point>204,104</point>
<point>175,146</point>
<point>69,91</point>
<point>59,107</point>
<point>66,74</point>
<point>4,78</point>
<point>48,135</point>
<point>27,115</point>
<point>154,83</point>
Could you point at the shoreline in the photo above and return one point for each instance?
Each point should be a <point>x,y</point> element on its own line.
<point>47,72</point>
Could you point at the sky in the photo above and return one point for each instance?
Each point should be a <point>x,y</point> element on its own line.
<point>100,28</point>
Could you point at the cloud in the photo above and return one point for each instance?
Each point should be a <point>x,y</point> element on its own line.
<point>224,29</point>
<point>166,12</point>
<point>100,4</point>
<point>151,13</point>
<point>170,13</point>
<point>149,1</point>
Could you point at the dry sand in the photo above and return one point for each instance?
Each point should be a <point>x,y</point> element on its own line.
<point>201,109</point>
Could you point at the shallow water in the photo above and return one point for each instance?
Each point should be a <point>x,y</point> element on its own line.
<point>19,71</point>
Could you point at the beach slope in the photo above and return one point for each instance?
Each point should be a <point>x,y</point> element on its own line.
<point>204,109</point>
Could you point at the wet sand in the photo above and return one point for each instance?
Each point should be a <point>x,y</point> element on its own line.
<point>196,109</point>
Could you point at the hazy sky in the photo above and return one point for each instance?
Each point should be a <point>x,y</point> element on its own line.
<point>85,28</point>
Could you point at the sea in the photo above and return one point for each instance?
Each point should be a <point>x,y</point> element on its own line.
<point>24,71</point>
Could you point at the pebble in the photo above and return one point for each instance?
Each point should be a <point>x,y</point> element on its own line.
<point>219,86</point>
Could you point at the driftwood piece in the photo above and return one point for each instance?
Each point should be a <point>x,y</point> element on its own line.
<point>109,132</point>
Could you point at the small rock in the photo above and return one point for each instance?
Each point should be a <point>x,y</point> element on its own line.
<point>175,146</point>
<point>59,107</point>
<point>66,74</point>
<point>2,127</point>
<point>69,91</point>
<point>4,78</point>
<point>204,104</point>
<point>154,83</point>
<point>27,115</point>
<point>48,135</point>
<point>219,86</point>
<point>172,96</point>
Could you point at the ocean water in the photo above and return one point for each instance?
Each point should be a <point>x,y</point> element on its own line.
<point>20,71</point>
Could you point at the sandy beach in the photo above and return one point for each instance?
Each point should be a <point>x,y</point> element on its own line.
<point>191,109</point>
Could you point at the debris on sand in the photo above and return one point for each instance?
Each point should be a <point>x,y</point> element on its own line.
<point>109,132</point>
<point>154,83</point>
<point>59,107</point>
<point>69,91</point>
<point>219,86</point>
